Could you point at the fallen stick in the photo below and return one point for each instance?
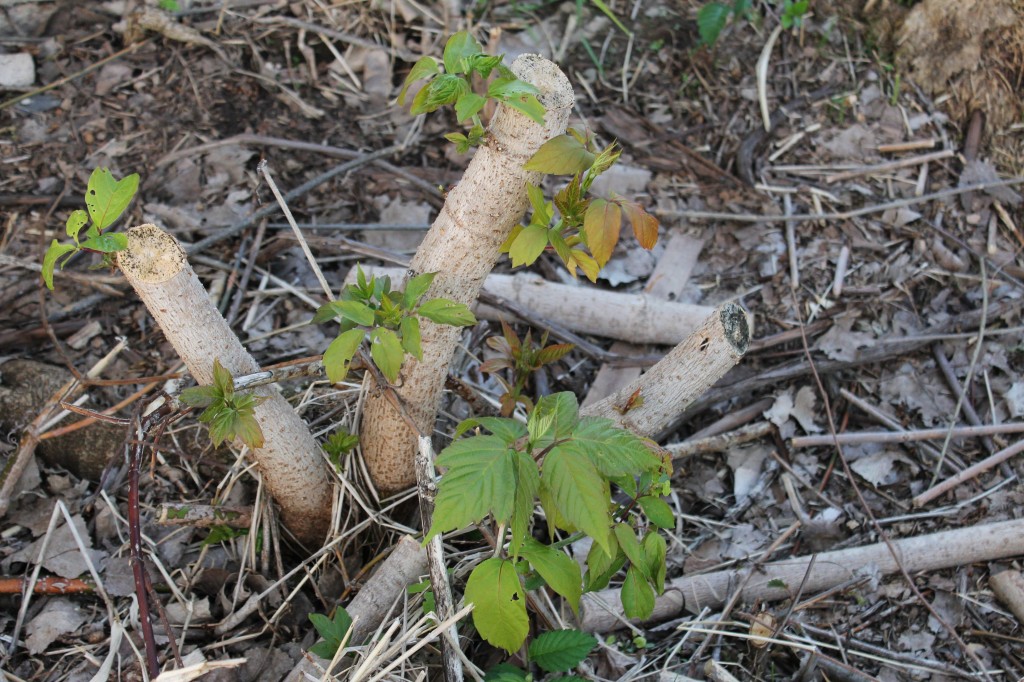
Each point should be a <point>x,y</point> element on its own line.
<point>290,461</point>
<point>602,611</point>
<point>648,404</point>
<point>968,473</point>
<point>406,563</point>
<point>204,516</point>
<point>861,437</point>
<point>638,318</point>
<point>890,165</point>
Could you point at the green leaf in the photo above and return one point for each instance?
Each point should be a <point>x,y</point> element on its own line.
<point>637,595</point>
<point>711,20</point>
<point>601,225</point>
<point>247,429</point>
<point>528,246</point>
<point>615,451</point>
<point>106,243</point>
<point>445,89</point>
<point>527,484</point>
<point>559,651</point>
<point>500,613</point>
<point>76,221</point>
<point>340,442</point>
<point>331,631</point>
<point>425,67</point>
<point>655,551</point>
<point>415,288</point>
<point>541,208</point>
<point>107,198</point>
<point>502,88</point>
<point>529,106</point>
<point>505,672</point>
<point>222,380</point>
<point>611,15</point>
<point>411,336</point>
<point>579,492</point>
<point>630,546</point>
<point>443,311</point>
<point>564,409</point>
<point>467,105</point>
<point>480,480</point>
<point>340,353</point>
<point>658,511</point>
<point>558,569</point>
<point>601,567</point>
<point>199,396</point>
<point>457,51</point>
<point>55,251</point>
<point>386,351</point>
<point>562,155</point>
<point>461,142</point>
<point>508,430</point>
<point>358,312</point>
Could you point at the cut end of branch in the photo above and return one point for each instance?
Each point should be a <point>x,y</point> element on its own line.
<point>735,326</point>
<point>152,256</point>
<point>555,90</point>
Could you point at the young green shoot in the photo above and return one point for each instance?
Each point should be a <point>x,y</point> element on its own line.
<point>229,414</point>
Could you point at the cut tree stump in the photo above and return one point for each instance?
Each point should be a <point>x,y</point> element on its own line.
<point>666,283</point>
<point>290,461</point>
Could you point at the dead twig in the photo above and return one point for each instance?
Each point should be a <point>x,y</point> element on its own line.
<point>860,437</point>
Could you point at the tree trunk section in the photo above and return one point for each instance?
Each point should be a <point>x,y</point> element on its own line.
<point>462,247</point>
<point>290,460</point>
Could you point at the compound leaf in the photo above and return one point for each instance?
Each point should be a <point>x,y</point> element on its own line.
<point>500,613</point>
<point>558,569</point>
<point>480,480</point>
<point>107,198</point>
<point>615,451</point>
<point>559,651</point>
<point>508,430</point>
<point>339,354</point>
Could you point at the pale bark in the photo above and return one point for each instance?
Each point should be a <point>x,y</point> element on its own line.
<point>290,460</point>
<point>651,402</point>
<point>602,611</point>
<point>462,247</point>
<point>638,318</point>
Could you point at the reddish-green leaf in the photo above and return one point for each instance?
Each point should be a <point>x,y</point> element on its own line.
<point>553,353</point>
<point>586,263</point>
<point>500,613</point>
<point>601,226</point>
<point>562,155</point>
<point>645,226</point>
<point>528,245</point>
<point>107,198</point>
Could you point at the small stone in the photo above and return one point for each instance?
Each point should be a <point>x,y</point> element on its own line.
<point>17,71</point>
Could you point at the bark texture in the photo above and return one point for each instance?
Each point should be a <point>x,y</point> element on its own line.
<point>290,460</point>
<point>646,405</point>
<point>462,247</point>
